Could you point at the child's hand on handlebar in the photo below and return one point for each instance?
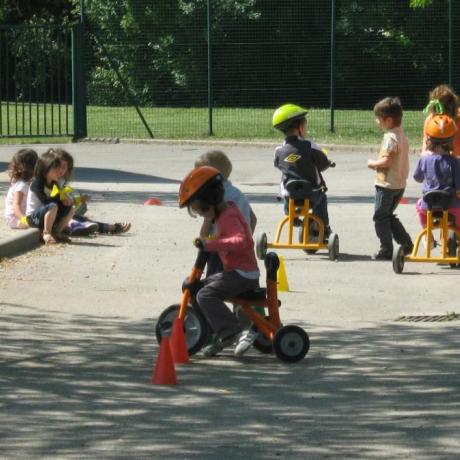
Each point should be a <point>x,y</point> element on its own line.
<point>198,243</point>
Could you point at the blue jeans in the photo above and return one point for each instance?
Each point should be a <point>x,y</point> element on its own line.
<point>387,224</point>
<point>318,203</point>
<point>36,219</point>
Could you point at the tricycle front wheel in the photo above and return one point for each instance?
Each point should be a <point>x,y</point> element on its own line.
<point>196,329</point>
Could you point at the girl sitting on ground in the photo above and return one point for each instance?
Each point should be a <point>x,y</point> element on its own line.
<point>21,172</point>
<point>46,210</point>
<point>81,225</point>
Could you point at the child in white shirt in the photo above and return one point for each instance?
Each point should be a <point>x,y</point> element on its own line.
<point>21,172</point>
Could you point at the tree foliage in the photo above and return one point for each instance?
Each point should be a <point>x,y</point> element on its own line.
<point>264,52</point>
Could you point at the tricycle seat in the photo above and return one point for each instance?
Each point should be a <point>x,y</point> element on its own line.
<point>299,189</point>
<point>438,200</point>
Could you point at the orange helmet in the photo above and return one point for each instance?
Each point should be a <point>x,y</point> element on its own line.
<point>196,182</point>
<point>441,127</point>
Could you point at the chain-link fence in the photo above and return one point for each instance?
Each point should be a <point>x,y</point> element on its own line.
<point>188,69</point>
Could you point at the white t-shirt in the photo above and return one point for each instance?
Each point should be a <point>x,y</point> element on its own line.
<point>231,193</point>
<point>11,218</point>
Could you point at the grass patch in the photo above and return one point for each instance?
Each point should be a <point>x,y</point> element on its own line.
<point>41,123</point>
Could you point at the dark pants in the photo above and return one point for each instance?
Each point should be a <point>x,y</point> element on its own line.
<point>102,227</point>
<point>211,296</point>
<point>318,203</point>
<point>387,224</point>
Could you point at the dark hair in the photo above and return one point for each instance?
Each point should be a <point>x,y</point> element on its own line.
<point>390,107</point>
<point>448,99</point>
<point>63,155</point>
<point>211,194</point>
<point>445,144</point>
<point>47,161</point>
<point>22,165</point>
<point>293,124</point>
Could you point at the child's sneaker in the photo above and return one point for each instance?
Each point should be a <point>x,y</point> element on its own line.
<point>245,341</point>
<point>408,248</point>
<point>82,228</point>
<point>382,255</point>
<point>218,344</point>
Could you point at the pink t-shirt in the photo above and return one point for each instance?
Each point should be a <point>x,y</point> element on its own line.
<point>233,241</point>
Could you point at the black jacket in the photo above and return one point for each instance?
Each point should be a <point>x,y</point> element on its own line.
<point>297,159</point>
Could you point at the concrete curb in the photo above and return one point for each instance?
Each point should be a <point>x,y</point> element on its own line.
<point>24,241</point>
<point>359,148</point>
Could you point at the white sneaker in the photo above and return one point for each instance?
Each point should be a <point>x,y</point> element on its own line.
<point>425,244</point>
<point>245,341</point>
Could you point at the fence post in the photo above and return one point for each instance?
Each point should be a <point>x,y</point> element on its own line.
<point>80,128</point>
<point>210,95</point>
<point>332,67</point>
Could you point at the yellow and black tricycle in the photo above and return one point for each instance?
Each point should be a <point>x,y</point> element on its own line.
<point>426,247</point>
<point>311,229</point>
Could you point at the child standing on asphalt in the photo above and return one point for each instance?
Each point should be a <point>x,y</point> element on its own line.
<point>21,172</point>
<point>202,192</point>
<point>46,209</point>
<point>436,168</point>
<point>392,168</point>
<point>298,158</point>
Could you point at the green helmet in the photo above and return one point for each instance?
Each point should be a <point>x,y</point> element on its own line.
<point>286,114</point>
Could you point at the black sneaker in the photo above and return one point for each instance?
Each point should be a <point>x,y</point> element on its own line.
<point>408,248</point>
<point>382,255</point>
<point>298,222</point>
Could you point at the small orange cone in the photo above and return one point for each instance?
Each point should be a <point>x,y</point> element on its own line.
<point>152,201</point>
<point>178,345</point>
<point>164,372</point>
<point>404,200</point>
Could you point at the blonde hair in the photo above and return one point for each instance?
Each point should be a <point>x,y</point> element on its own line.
<point>217,159</point>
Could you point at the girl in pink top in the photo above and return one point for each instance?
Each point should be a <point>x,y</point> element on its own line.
<point>202,192</point>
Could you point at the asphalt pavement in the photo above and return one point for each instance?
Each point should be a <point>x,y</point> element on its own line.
<point>78,345</point>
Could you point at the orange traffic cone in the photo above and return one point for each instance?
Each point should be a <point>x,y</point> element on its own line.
<point>178,345</point>
<point>404,200</point>
<point>164,372</point>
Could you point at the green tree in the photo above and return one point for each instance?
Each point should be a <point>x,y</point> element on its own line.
<point>159,48</point>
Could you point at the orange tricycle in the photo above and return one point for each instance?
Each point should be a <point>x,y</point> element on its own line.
<point>289,343</point>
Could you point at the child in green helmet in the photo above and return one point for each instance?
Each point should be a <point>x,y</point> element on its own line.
<point>298,158</point>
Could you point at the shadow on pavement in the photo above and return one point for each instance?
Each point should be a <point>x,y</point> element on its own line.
<point>115,175</point>
<point>76,385</point>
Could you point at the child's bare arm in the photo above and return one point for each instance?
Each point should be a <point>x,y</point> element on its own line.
<point>384,162</point>
<point>17,200</point>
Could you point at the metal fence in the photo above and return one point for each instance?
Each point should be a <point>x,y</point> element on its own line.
<point>35,81</point>
<point>170,69</point>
